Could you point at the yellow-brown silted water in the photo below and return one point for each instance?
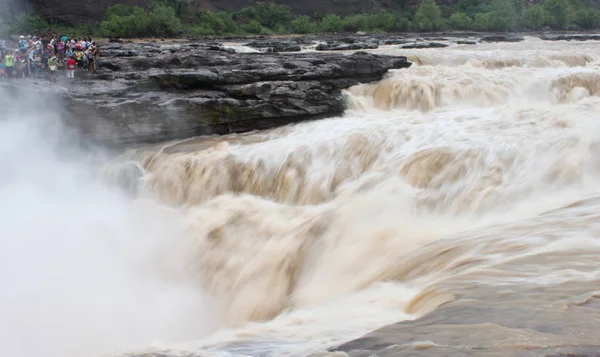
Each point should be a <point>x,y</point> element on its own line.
<point>426,206</point>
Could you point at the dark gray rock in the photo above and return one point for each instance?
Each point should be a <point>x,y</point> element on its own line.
<point>425,45</point>
<point>275,46</point>
<point>180,90</point>
<point>342,46</point>
<point>396,41</point>
<point>466,42</point>
<point>502,38</point>
<point>570,37</point>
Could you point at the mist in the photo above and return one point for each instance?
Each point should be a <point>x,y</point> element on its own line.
<point>84,269</point>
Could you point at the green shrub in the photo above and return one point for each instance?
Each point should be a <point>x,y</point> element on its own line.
<point>428,16</point>
<point>387,21</point>
<point>332,23</point>
<point>558,11</point>
<point>220,22</point>
<point>269,16</point>
<point>169,17</point>
<point>397,23</point>
<point>507,12</point>
<point>460,21</point>
<point>163,21</point>
<point>254,27</point>
<point>124,21</point>
<point>492,21</point>
<point>586,18</point>
<point>303,25</point>
<point>24,24</point>
<point>356,23</point>
<point>200,31</point>
<point>535,17</point>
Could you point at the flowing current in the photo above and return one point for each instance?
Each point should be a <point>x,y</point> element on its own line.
<point>455,199</point>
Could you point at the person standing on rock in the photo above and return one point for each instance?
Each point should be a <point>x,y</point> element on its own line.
<point>9,60</point>
<point>23,44</point>
<point>71,65</point>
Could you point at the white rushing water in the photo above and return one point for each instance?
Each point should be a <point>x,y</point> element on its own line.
<point>295,240</point>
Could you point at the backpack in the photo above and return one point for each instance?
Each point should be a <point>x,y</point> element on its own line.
<point>61,46</point>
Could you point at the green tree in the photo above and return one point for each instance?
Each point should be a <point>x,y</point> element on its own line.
<point>332,23</point>
<point>587,18</point>
<point>535,17</point>
<point>507,11</point>
<point>428,16</point>
<point>126,22</point>
<point>269,15</point>
<point>460,21</point>
<point>302,25</point>
<point>164,21</point>
<point>254,27</point>
<point>28,23</point>
<point>356,23</point>
<point>559,12</point>
<point>492,21</point>
<point>219,22</point>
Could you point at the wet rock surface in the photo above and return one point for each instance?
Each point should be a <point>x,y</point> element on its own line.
<point>149,92</point>
<point>424,45</point>
<point>275,46</point>
<point>502,38</point>
<point>570,37</point>
<point>348,44</point>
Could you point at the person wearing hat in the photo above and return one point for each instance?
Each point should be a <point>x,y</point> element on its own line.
<point>23,44</point>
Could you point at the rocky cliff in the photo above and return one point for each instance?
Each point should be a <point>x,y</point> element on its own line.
<point>149,92</point>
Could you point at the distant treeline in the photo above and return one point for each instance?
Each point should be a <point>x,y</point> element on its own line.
<point>166,18</point>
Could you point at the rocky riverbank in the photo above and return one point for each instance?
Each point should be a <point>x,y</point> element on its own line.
<point>153,91</point>
<point>150,92</point>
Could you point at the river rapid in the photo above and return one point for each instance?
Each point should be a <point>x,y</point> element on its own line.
<point>455,200</point>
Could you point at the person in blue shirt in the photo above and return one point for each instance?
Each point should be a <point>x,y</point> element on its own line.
<point>22,44</point>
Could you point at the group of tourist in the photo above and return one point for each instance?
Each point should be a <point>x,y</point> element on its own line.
<point>38,55</point>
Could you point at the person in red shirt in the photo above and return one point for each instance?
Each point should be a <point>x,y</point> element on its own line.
<point>71,65</point>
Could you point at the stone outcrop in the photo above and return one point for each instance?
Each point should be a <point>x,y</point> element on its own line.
<point>160,91</point>
<point>502,38</point>
<point>577,37</point>
<point>275,46</point>
<point>424,45</point>
<point>347,45</point>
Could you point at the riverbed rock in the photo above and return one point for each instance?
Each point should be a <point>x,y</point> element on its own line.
<point>502,38</point>
<point>275,46</point>
<point>170,91</point>
<point>342,46</point>
<point>425,45</point>
<point>577,37</point>
<point>396,41</point>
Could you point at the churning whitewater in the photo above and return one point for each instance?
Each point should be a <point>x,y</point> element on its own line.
<point>452,207</point>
